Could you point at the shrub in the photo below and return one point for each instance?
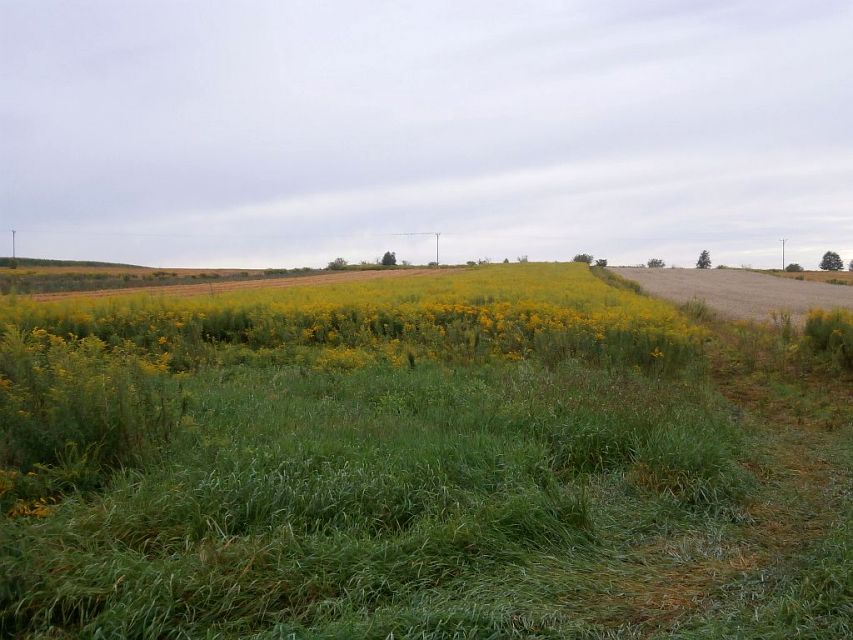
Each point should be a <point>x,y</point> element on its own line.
<point>831,332</point>
<point>75,397</point>
<point>794,268</point>
<point>655,263</point>
<point>601,262</point>
<point>583,257</point>
<point>337,264</point>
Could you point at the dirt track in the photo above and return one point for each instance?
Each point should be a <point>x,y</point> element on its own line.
<point>186,290</point>
<point>740,294</point>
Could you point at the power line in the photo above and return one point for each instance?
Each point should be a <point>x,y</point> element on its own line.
<point>127,234</point>
<point>437,234</point>
<point>134,234</point>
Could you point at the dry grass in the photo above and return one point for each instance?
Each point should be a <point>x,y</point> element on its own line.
<point>817,276</point>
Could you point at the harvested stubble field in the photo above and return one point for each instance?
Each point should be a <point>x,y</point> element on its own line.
<point>740,294</point>
<point>512,451</point>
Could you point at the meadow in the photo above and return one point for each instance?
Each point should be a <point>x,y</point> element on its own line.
<point>526,450</point>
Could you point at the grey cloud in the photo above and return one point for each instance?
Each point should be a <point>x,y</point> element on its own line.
<point>642,125</point>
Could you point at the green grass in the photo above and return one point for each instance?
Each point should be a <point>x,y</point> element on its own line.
<point>376,501</point>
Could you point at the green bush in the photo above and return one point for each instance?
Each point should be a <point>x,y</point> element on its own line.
<point>62,401</point>
<point>831,332</point>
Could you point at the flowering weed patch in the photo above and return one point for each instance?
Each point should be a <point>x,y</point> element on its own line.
<point>831,332</point>
<point>505,311</point>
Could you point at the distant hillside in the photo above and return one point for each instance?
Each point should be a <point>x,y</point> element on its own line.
<point>42,262</point>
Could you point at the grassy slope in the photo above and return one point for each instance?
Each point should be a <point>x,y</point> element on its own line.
<point>499,500</point>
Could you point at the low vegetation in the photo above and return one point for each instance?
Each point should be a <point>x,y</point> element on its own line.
<point>831,333</point>
<point>54,279</point>
<point>512,451</point>
<point>829,277</point>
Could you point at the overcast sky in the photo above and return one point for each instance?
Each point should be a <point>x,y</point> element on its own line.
<point>287,133</point>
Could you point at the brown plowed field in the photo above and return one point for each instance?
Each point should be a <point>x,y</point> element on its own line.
<point>740,294</point>
<point>207,288</point>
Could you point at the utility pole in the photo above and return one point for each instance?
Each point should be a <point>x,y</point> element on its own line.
<point>783,241</point>
<point>424,233</point>
<point>13,244</point>
<point>436,249</point>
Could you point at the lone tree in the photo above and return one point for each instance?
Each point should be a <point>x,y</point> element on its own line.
<point>583,257</point>
<point>831,262</point>
<point>601,262</point>
<point>389,259</point>
<point>655,263</point>
<point>850,266</point>
<point>704,261</point>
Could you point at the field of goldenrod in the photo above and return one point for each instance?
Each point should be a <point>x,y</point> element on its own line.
<point>507,311</point>
<point>831,332</point>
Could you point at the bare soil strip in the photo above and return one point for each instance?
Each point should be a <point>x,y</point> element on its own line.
<point>208,288</point>
<point>739,294</point>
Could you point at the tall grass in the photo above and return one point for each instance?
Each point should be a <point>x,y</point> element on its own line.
<point>73,408</point>
<point>327,503</point>
<point>831,333</point>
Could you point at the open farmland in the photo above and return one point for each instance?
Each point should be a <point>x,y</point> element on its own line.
<point>526,450</point>
<point>214,287</point>
<point>832,277</point>
<point>741,294</point>
<point>50,281</point>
